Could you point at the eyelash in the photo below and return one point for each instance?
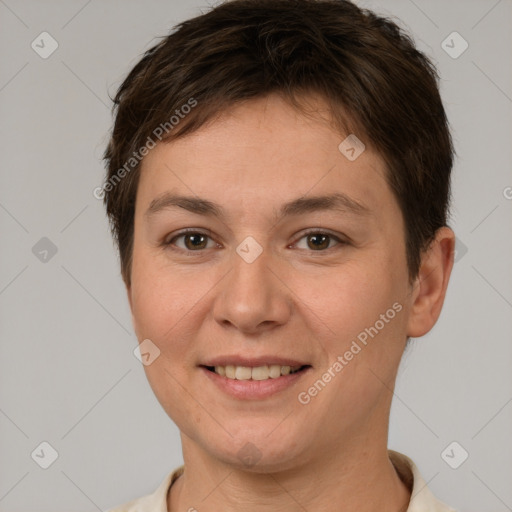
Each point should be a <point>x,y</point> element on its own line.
<point>170,243</point>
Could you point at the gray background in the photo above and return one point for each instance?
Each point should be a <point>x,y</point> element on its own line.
<point>68,375</point>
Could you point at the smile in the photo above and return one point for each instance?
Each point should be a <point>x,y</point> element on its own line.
<point>254,382</point>
<point>270,371</point>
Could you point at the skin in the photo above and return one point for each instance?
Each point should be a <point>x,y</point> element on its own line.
<point>294,300</point>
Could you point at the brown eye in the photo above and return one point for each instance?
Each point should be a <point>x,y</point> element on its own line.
<point>192,241</point>
<point>195,241</point>
<point>319,241</point>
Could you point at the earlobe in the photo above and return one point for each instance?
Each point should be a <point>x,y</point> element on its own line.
<point>431,283</point>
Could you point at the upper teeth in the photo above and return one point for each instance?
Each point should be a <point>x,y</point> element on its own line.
<point>257,373</point>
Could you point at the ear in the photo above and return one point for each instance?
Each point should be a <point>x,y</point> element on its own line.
<point>430,286</point>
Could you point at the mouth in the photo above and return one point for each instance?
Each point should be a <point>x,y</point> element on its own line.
<point>254,382</point>
<point>256,373</point>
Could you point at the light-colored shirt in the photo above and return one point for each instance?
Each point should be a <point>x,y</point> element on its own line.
<point>422,499</point>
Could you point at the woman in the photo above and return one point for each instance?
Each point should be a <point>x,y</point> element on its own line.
<point>278,186</point>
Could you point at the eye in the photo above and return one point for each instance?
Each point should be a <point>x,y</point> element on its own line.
<point>192,241</point>
<point>195,241</point>
<point>320,240</point>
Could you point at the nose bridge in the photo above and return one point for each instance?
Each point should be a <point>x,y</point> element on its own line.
<point>252,296</point>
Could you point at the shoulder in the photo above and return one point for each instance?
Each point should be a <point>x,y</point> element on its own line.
<point>154,502</point>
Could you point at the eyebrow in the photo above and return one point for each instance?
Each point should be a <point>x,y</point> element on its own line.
<point>336,201</point>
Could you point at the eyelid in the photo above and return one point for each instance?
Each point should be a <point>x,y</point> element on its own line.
<point>199,231</point>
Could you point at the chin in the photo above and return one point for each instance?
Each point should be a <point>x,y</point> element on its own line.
<point>249,458</point>
<point>258,450</point>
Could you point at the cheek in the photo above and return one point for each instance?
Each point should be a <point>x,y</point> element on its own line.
<point>169,306</point>
<point>365,316</point>
<point>159,296</point>
<point>345,300</point>
<point>160,307</point>
<point>363,303</point>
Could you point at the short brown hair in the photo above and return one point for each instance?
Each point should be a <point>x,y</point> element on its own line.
<point>376,83</point>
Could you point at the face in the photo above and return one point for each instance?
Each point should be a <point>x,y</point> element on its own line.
<point>286,253</point>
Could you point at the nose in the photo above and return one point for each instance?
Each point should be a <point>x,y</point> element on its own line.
<point>253,297</point>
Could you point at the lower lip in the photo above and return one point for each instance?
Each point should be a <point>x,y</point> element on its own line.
<point>254,389</point>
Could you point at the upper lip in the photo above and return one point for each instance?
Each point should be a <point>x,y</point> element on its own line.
<point>237,360</point>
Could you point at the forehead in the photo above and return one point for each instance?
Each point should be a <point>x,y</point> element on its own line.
<point>261,153</point>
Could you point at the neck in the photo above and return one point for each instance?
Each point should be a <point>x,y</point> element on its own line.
<point>349,481</point>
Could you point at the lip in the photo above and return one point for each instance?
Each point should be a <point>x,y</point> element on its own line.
<point>254,389</point>
<point>237,360</point>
